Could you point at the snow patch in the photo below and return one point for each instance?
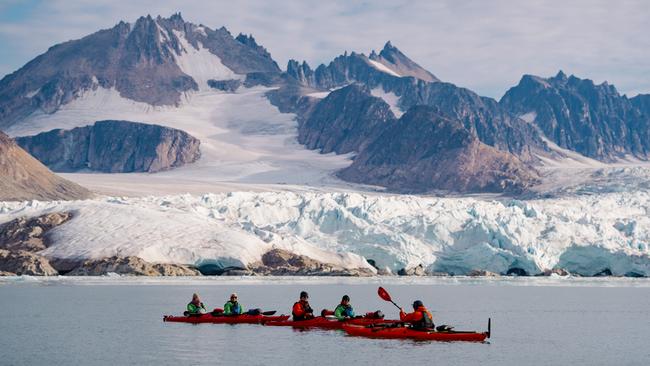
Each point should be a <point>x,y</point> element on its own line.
<point>390,98</point>
<point>529,117</point>
<point>32,93</point>
<point>201,30</point>
<point>383,68</point>
<point>201,64</point>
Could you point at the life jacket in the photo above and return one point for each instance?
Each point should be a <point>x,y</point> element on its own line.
<point>301,310</point>
<point>235,308</point>
<point>346,310</point>
<point>426,320</point>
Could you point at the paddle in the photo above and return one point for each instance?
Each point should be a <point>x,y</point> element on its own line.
<point>386,296</point>
<point>268,313</point>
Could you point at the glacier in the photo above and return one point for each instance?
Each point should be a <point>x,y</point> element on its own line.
<point>585,235</point>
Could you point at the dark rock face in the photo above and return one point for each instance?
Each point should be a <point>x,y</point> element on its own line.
<point>30,234</point>
<point>225,85</point>
<point>424,150</point>
<point>138,60</point>
<point>113,147</point>
<point>347,120</point>
<point>133,266</point>
<point>25,178</point>
<point>576,114</point>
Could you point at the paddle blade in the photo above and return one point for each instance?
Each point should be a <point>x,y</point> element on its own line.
<point>384,294</point>
<point>267,313</point>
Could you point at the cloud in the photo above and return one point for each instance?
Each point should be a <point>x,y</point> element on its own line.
<point>483,45</point>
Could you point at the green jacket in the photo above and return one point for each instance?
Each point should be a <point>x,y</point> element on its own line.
<point>231,308</point>
<point>193,309</point>
<point>342,311</point>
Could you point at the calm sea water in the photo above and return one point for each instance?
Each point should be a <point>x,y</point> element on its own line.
<point>119,322</point>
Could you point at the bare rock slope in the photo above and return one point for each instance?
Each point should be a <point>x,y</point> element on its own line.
<point>22,177</point>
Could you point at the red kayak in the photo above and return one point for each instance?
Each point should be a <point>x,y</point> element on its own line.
<point>421,335</point>
<point>239,319</point>
<point>328,323</point>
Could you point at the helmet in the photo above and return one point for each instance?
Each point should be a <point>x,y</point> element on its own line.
<point>345,298</point>
<point>417,304</point>
<point>304,294</point>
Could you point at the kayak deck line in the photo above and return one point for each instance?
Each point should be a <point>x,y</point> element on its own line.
<point>327,323</point>
<point>224,319</point>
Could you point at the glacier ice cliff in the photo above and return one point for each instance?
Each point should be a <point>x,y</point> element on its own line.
<point>586,235</point>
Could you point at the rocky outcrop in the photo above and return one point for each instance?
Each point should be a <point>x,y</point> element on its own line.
<point>426,151</point>
<point>413,271</point>
<point>481,273</point>
<point>30,234</point>
<point>25,178</point>
<point>347,120</point>
<point>576,114</point>
<point>139,60</point>
<point>25,263</point>
<point>113,147</point>
<point>278,262</point>
<point>133,266</point>
<point>225,85</point>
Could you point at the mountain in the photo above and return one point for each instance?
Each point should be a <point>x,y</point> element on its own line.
<point>393,73</point>
<point>113,147</point>
<point>25,178</point>
<point>424,150</point>
<point>152,61</point>
<point>576,114</point>
<point>389,66</point>
<point>347,120</point>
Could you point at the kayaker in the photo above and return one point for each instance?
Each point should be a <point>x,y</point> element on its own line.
<point>301,309</point>
<point>233,307</point>
<point>344,309</point>
<point>195,306</point>
<point>420,318</point>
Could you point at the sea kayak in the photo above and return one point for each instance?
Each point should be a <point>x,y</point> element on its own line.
<point>239,319</point>
<point>408,333</point>
<point>328,323</point>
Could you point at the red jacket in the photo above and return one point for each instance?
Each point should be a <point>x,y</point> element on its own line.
<point>416,317</point>
<point>301,309</point>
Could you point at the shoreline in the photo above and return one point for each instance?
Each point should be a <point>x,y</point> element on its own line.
<point>551,281</point>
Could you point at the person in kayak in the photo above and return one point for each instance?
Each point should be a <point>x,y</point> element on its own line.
<point>195,307</point>
<point>420,318</point>
<point>301,309</point>
<point>233,307</point>
<point>344,309</point>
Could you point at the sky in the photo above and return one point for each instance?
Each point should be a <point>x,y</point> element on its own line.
<point>485,45</point>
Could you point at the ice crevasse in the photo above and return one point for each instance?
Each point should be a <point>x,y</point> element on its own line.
<point>585,235</point>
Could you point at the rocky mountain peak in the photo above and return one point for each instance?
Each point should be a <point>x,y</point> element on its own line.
<point>395,60</point>
<point>577,114</point>
<point>561,75</point>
